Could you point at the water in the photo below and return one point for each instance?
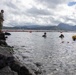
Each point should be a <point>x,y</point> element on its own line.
<point>48,56</point>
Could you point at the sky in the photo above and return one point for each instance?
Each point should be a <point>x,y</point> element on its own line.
<point>38,12</point>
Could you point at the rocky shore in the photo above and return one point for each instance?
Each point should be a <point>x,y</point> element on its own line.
<point>8,64</point>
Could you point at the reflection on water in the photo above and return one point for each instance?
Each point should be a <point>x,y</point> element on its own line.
<point>48,56</point>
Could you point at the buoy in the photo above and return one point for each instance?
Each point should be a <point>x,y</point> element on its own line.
<point>74,37</point>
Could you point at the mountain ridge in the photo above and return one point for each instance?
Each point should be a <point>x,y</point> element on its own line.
<point>60,26</point>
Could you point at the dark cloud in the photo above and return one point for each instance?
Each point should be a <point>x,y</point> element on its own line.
<point>36,11</point>
<point>50,3</point>
<point>11,4</point>
<point>15,23</point>
<point>69,19</point>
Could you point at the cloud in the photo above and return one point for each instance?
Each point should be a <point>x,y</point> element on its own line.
<point>52,3</point>
<point>42,12</point>
<point>36,11</point>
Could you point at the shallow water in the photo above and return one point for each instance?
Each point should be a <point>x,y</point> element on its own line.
<point>49,56</point>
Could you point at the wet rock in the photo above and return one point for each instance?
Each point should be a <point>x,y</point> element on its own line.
<point>24,57</point>
<point>2,64</point>
<point>7,33</point>
<point>24,71</point>
<point>21,70</point>
<point>15,67</point>
<point>2,42</point>
<point>9,61</point>
<point>38,64</point>
<point>7,71</point>
<point>38,72</point>
<point>2,56</point>
<point>2,36</point>
<point>3,39</point>
<point>2,61</point>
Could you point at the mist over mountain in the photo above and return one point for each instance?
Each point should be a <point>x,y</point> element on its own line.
<point>61,26</point>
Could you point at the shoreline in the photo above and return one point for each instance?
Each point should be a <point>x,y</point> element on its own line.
<point>9,65</point>
<point>31,30</point>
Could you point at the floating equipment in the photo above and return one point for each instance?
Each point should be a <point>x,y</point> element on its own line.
<point>74,37</point>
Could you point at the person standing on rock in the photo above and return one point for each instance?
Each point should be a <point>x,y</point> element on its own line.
<point>1,20</point>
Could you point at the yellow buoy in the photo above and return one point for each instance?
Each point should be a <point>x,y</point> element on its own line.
<point>74,37</point>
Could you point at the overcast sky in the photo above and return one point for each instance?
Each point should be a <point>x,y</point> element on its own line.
<point>39,12</point>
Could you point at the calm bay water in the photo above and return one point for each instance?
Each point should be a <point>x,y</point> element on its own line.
<point>50,55</point>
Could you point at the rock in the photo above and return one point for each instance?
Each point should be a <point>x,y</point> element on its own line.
<point>6,51</point>
<point>7,71</point>
<point>7,59</point>
<point>2,56</point>
<point>2,64</point>
<point>38,72</point>
<point>38,64</point>
<point>2,61</point>
<point>2,42</point>
<point>2,36</point>
<point>21,70</point>
<point>3,39</point>
<point>15,67</point>
<point>7,33</point>
<point>10,60</point>
<point>24,71</point>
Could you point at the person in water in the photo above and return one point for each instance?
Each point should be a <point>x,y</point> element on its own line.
<point>44,35</point>
<point>61,36</point>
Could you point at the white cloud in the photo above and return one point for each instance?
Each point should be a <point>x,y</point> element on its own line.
<point>43,12</point>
